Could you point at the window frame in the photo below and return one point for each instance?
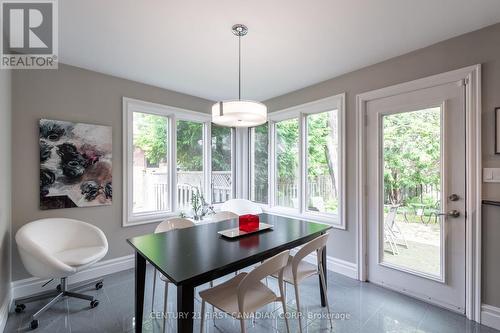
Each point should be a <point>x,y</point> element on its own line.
<point>129,106</point>
<point>337,102</point>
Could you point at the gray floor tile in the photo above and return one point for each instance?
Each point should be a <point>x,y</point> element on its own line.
<point>356,307</point>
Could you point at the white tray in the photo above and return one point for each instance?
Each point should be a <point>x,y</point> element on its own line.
<point>236,232</point>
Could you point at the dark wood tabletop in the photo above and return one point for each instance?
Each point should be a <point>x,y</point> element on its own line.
<point>193,256</point>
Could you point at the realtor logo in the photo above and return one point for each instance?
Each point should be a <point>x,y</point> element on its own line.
<point>29,34</point>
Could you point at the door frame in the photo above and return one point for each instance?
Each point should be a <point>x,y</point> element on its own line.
<point>471,77</point>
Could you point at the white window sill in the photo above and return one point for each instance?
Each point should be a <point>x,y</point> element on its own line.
<point>331,220</point>
<point>147,218</point>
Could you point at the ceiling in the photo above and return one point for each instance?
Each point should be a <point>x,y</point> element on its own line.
<point>187,45</point>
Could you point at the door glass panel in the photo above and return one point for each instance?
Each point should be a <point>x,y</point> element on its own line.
<point>412,178</point>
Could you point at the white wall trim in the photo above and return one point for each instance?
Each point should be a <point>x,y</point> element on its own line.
<point>336,265</point>
<point>490,316</point>
<point>33,285</point>
<point>4,311</point>
<point>472,75</point>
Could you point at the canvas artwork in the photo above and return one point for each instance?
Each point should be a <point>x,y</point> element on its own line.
<point>75,164</point>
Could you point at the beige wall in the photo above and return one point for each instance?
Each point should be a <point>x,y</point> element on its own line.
<point>479,47</point>
<point>5,182</point>
<point>79,95</point>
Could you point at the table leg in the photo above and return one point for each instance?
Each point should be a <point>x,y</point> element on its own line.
<point>140,279</point>
<point>322,292</point>
<point>185,308</point>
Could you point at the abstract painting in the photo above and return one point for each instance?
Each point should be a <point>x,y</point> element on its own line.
<point>75,164</point>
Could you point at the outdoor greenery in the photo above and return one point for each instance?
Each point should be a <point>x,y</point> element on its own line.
<point>261,162</point>
<point>322,152</point>
<point>150,135</point>
<point>221,148</point>
<point>411,155</point>
<point>189,145</point>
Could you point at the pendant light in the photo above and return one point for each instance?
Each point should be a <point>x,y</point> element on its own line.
<point>239,113</point>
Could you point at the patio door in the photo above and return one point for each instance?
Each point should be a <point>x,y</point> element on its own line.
<point>415,173</point>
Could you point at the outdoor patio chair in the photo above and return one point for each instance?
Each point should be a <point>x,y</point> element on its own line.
<point>393,232</point>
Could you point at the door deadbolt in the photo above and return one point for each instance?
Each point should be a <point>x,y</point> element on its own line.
<point>453,197</point>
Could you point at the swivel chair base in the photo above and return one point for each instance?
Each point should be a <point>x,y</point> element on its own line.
<point>60,292</point>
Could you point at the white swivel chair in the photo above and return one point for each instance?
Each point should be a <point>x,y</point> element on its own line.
<point>244,294</point>
<point>241,207</point>
<point>298,270</point>
<point>57,248</point>
<point>166,226</point>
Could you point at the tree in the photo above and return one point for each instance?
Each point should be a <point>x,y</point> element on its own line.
<point>189,145</point>
<point>221,148</point>
<point>150,135</point>
<point>411,146</point>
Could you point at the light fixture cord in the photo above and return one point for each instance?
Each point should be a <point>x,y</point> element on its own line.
<point>239,66</point>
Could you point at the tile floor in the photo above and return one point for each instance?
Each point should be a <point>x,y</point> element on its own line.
<point>357,307</point>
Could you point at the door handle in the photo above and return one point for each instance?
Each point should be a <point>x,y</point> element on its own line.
<point>451,213</point>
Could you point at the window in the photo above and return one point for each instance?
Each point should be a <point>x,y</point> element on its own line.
<point>190,173</point>
<point>259,167</point>
<point>322,162</point>
<point>287,163</point>
<point>170,154</point>
<point>150,163</point>
<point>305,159</point>
<point>221,179</point>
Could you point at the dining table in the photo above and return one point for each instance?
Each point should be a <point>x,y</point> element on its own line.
<point>193,256</point>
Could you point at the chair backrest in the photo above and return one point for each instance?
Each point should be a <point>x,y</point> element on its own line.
<point>241,207</point>
<point>221,216</point>
<point>39,241</point>
<point>173,223</point>
<point>59,234</point>
<point>318,244</point>
<point>391,215</point>
<point>269,267</point>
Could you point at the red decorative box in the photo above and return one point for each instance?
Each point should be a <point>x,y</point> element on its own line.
<point>249,222</point>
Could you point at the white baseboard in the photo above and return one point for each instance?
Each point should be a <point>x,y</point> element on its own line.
<point>336,265</point>
<point>4,311</point>
<point>30,286</point>
<point>490,316</point>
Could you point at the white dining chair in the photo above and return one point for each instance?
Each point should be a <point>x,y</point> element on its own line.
<point>241,207</point>
<point>222,216</point>
<point>244,294</point>
<point>297,270</point>
<point>166,226</point>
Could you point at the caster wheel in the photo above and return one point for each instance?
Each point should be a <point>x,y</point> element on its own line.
<point>98,285</point>
<point>20,308</point>
<point>58,288</point>
<point>94,304</point>
<point>34,324</point>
